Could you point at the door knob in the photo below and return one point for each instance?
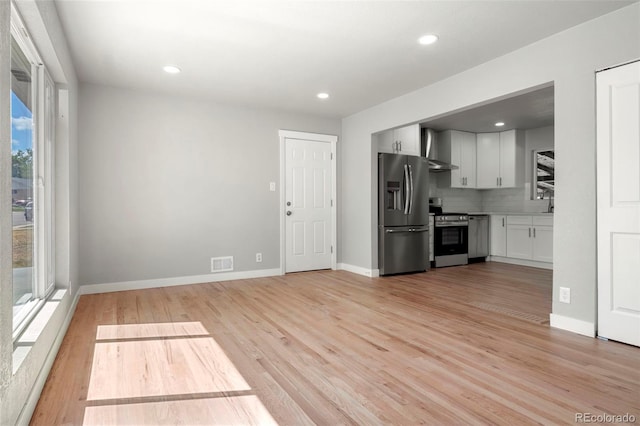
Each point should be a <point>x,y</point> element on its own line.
<point>288,212</point>
<point>288,203</point>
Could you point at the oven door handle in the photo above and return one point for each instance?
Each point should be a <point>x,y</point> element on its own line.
<point>396,231</point>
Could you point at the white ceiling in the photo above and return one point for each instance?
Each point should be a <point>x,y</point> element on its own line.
<point>280,54</point>
<point>528,110</point>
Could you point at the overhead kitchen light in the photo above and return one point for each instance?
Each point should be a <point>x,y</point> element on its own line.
<point>171,69</point>
<point>499,124</point>
<point>323,95</point>
<point>428,39</point>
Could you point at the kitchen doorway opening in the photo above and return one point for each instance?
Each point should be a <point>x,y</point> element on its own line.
<point>529,116</point>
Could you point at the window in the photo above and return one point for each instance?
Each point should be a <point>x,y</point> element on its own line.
<point>32,148</point>
<point>543,174</point>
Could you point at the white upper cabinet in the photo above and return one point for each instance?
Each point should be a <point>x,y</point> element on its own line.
<point>488,160</point>
<point>458,148</point>
<point>500,158</point>
<point>511,159</point>
<point>403,140</point>
<point>385,142</point>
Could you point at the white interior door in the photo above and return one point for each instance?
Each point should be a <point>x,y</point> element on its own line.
<point>618,151</point>
<point>308,222</point>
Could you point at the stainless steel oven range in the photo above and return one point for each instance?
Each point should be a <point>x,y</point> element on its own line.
<point>451,239</point>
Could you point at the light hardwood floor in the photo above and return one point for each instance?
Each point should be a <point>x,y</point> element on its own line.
<point>463,345</point>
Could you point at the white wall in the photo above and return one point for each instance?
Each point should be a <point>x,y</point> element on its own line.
<point>21,382</point>
<point>569,59</point>
<point>166,183</point>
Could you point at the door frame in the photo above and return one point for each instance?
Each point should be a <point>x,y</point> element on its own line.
<point>315,137</point>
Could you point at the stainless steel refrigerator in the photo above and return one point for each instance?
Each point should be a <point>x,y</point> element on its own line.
<point>403,213</point>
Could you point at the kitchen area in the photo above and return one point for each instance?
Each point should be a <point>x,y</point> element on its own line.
<point>488,193</point>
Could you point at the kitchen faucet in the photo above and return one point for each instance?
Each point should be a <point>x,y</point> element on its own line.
<point>550,205</point>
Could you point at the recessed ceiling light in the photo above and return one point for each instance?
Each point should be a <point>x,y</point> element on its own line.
<point>171,69</point>
<point>428,39</point>
<point>499,124</point>
<point>323,95</point>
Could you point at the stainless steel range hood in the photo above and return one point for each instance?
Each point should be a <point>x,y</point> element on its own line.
<point>441,166</point>
<point>428,143</point>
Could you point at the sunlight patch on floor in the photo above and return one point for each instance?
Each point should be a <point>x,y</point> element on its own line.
<point>162,374</point>
<point>240,410</point>
<point>140,331</point>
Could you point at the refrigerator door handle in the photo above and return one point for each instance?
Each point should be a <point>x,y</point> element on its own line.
<point>411,187</point>
<point>407,189</point>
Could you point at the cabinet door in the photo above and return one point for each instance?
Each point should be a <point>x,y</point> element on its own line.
<point>543,244</point>
<point>468,159</point>
<point>457,180</point>
<point>519,241</point>
<point>498,229</point>
<point>509,159</point>
<point>386,142</point>
<point>409,138</point>
<point>459,149</point>
<point>472,240</point>
<point>488,160</point>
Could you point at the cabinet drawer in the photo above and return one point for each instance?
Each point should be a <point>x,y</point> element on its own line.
<point>519,220</point>
<point>543,220</point>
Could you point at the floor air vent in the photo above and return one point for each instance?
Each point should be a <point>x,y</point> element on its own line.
<point>510,312</point>
<point>222,264</point>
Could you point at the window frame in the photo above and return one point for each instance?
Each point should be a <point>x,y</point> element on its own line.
<point>43,94</point>
<point>534,176</point>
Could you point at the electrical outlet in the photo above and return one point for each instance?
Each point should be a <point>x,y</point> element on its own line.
<point>272,186</point>
<point>258,257</point>
<point>565,295</point>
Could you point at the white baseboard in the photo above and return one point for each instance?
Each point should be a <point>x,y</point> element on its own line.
<point>574,325</point>
<point>359,270</point>
<point>30,405</point>
<point>168,282</point>
<point>521,262</point>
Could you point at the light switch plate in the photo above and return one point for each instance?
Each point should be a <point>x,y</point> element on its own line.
<point>272,186</point>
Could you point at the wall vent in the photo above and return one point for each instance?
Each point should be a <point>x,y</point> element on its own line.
<point>222,264</point>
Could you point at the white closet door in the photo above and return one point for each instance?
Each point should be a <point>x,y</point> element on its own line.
<point>618,177</point>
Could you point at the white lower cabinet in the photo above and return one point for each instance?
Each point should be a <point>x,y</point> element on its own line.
<point>542,243</point>
<point>498,227</point>
<point>530,238</point>
<point>519,245</point>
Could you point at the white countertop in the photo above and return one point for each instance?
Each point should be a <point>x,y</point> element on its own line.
<point>513,213</point>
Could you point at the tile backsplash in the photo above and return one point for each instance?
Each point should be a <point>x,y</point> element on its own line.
<point>512,200</point>
<point>458,200</point>
<point>506,200</point>
<point>503,200</point>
